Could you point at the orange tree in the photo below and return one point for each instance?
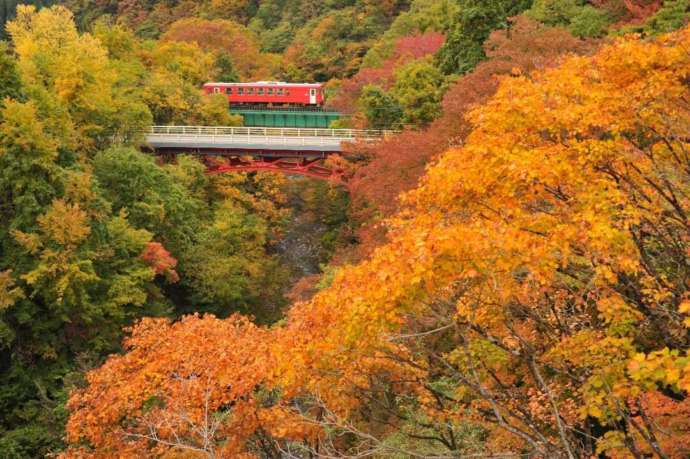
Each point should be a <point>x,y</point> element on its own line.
<point>227,40</point>
<point>538,276</point>
<point>205,393</point>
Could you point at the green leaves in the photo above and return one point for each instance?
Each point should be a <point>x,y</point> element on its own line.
<point>414,99</point>
<point>151,197</point>
<point>381,108</point>
<point>419,89</point>
<point>225,266</point>
<point>672,15</point>
<point>463,49</point>
<point>582,20</point>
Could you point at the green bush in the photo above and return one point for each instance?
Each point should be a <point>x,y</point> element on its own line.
<point>419,89</point>
<point>589,22</point>
<point>381,109</point>
<point>671,16</point>
<point>555,12</point>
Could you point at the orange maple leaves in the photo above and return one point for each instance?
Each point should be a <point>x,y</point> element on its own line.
<point>200,385</point>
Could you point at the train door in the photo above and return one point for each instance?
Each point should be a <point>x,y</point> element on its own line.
<point>312,96</point>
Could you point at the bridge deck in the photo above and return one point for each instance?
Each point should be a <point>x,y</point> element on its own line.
<point>204,138</point>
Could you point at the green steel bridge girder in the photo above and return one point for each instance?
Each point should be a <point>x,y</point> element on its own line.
<point>289,119</point>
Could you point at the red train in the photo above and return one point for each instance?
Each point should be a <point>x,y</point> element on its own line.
<point>271,93</point>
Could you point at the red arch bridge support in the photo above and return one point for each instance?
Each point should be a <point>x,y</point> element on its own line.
<point>306,166</point>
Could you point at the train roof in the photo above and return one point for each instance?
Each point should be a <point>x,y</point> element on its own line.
<point>267,83</point>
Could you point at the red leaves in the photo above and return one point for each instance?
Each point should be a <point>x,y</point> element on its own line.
<point>418,46</point>
<point>160,261</point>
<point>634,10</point>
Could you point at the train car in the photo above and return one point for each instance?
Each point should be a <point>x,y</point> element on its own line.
<point>270,93</point>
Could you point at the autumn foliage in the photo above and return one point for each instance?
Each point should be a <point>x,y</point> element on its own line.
<point>206,392</point>
<point>396,164</point>
<point>406,49</point>
<point>532,298</point>
<point>160,261</point>
<point>222,36</point>
<point>511,271</point>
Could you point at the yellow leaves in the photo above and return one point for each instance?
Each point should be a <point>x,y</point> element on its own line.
<point>213,111</point>
<point>63,228</point>
<point>607,274</point>
<point>65,224</point>
<point>186,61</point>
<point>684,307</point>
<point>611,441</point>
<point>70,74</point>
<point>31,242</point>
<point>78,187</point>
<point>47,42</point>
<point>22,130</point>
<point>52,28</point>
<point>9,294</point>
<point>614,308</point>
<point>664,367</point>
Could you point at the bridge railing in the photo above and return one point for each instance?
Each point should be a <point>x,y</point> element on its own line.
<point>268,132</point>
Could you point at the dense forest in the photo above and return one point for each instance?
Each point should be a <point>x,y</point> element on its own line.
<point>505,276</point>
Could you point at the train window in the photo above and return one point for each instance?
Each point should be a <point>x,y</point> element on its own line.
<point>313,92</point>
<point>250,91</point>
<point>216,90</point>
<point>240,91</point>
<point>287,92</point>
<point>280,91</point>
<point>228,90</point>
<point>270,91</point>
<point>260,91</point>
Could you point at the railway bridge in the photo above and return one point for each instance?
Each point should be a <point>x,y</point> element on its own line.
<point>245,149</point>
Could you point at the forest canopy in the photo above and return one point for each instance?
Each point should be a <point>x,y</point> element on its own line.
<point>506,275</point>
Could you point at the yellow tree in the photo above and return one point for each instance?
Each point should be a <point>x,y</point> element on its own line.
<point>70,74</point>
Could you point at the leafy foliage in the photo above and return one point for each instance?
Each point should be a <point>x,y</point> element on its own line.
<point>672,15</point>
<point>382,110</point>
<point>91,229</point>
<point>583,20</point>
<point>419,88</point>
<point>202,396</point>
<point>471,27</point>
<point>397,164</point>
<point>509,277</point>
<point>532,298</point>
<point>533,228</point>
<point>424,17</point>
<point>228,40</point>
